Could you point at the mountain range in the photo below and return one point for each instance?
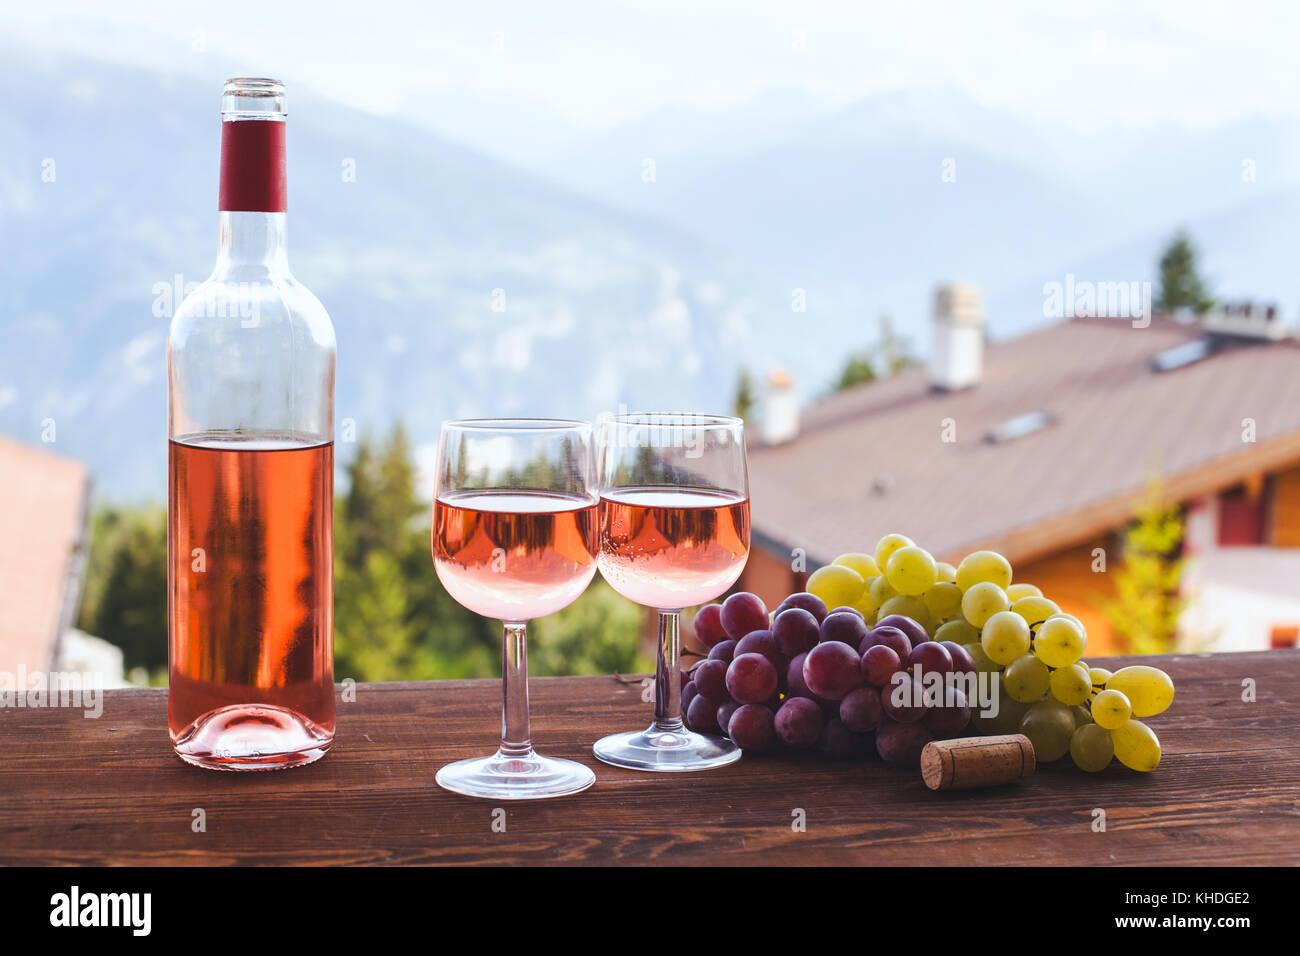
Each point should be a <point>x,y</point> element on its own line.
<point>641,266</point>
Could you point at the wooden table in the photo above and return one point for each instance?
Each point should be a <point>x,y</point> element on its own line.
<point>109,791</point>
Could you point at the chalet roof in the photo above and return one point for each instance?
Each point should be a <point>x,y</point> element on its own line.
<point>872,459</point>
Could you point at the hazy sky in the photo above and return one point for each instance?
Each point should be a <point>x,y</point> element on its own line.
<point>595,63</point>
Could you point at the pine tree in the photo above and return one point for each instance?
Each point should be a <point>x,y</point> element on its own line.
<point>124,599</point>
<point>745,401</point>
<point>1181,285</point>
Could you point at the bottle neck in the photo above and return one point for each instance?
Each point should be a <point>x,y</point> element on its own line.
<point>252,240</point>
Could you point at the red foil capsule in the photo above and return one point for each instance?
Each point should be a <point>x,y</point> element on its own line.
<point>252,166</point>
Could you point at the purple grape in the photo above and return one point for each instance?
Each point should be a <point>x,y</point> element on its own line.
<point>932,658</point>
<point>751,678</point>
<point>795,631</point>
<point>847,627</point>
<point>911,695</point>
<point>890,637</point>
<point>725,710</point>
<point>794,682</point>
<point>962,662</point>
<point>837,741</point>
<point>860,710</point>
<point>808,602</point>
<point>710,679</point>
<point>832,669</point>
<point>689,691</point>
<point>708,625</point>
<point>879,664</point>
<point>702,715</point>
<point>900,745</point>
<point>741,613</point>
<point>845,609</point>
<point>915,632</point>
<point>723,651</point>
<point>951,719</point>
<point>762,642</point>
<point>752,728</point>
<point>799,722</point>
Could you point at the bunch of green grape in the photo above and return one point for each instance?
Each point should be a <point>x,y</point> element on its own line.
<point>1046,690</point>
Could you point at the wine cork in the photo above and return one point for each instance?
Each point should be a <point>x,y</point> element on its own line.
<point>976,761</point>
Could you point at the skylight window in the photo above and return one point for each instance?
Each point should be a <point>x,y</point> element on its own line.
<point>1020,426</point>
<point>1181,355</point>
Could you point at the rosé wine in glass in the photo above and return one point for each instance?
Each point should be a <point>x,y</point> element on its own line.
<point>514,555</point>
<point>671,547</point>
<point>674,533</point>
<point>515,537</point>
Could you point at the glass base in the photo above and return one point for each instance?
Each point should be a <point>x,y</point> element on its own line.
<point>505,777</point>
<point>252,737</point>
<point>666,750</point>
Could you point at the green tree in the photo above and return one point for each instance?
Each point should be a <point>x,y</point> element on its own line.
<point>745,401</point>
<point>1181,285</point>
<point>124,599</point>
<point>597,634</point>
<point>392,618</point>
<point>1145,610</point>
<point>887,356</point>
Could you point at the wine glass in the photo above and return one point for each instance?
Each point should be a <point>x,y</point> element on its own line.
<point>674,533</point>
<point>515,538</point>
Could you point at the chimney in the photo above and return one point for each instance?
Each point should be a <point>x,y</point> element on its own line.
<point>957,358</point>
<point>781,410</point>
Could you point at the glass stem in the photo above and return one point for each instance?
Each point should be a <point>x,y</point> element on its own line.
<point>516,740</point>
<point>668,674</point>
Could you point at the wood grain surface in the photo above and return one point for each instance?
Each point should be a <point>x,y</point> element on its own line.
<point>75,790</point>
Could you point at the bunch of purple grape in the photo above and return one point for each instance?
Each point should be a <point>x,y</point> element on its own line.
<point>806,678</point>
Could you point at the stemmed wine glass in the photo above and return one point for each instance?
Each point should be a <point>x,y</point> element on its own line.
<point>674,533</point>
<point>515,538</point>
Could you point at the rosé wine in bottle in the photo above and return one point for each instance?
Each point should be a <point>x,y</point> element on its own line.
<point>514,555</point>
<point>250,376</point>
<point>670,548</point>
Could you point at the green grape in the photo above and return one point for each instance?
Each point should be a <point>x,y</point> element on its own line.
<point>943,600</point>
<point>1098,676</point>
<point>881,590</point>
<point>1148,688</point>
<point>888,545</point>
<point>1027,679</point>
<point>1136,746</point>
<point>1081,715</point>
<point>981,601</point>
<point>864,564</point>
<point>1006,720</point>
<point>1059,642</point>
<point>836,585</point>
<point>1005,637</point>
<point>983,663</point>
<point>983,566</point>
<point>1049,725</point>
<point>947,573</point>
<point>1017,591</point>
<point>910,606</point>
<point>1070,685</point>
<point>1034,609</point>
<point>865,604</point>
<point>1111,709</point>
<point>958,630</point>
<point>911,570</point>
<point>1091,748</point>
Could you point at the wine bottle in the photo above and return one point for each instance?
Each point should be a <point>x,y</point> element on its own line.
<point>250,376</point>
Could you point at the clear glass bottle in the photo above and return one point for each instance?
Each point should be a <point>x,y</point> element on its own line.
<point>250,374</point>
